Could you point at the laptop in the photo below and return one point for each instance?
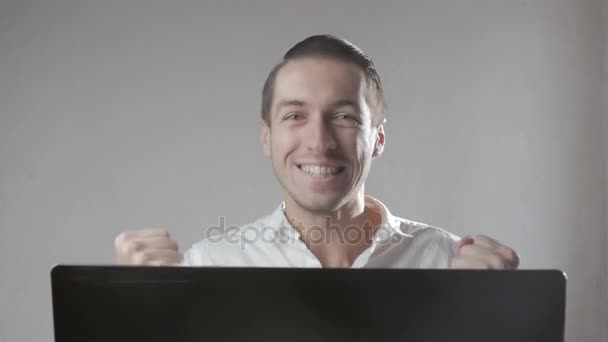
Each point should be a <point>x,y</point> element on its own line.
<point>187,304</point>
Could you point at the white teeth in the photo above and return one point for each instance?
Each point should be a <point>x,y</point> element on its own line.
<point>319,170</point>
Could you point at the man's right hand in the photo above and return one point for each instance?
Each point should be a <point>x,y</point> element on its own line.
<point>147,247</point>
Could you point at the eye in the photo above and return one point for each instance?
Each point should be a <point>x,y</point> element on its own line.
<point>292,116</point>
<point>347,118</point>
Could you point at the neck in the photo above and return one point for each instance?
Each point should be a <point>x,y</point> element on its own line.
<point>336,237</point>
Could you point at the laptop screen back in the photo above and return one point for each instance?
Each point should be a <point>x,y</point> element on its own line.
<point>187,304</point>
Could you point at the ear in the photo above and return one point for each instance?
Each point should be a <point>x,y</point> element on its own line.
<point>265,137</point>
<point>379,145</point>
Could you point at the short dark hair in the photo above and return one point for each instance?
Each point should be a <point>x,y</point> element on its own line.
<point>328,46</point>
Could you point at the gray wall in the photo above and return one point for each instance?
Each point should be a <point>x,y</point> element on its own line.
<point>128,114</point>
<point>605,136</point>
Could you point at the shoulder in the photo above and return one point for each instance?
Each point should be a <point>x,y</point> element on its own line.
<point>424,230</point>
<point>421,233</point>
<point>430,238</point>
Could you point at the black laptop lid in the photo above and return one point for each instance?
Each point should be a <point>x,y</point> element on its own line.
<point>187,304</point>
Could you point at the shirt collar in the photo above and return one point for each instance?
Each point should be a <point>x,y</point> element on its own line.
<point>389,225</point>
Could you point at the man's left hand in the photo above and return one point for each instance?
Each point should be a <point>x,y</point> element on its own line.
<point>483,252</point>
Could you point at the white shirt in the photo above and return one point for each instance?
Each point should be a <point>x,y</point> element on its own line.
<point>272,242</point>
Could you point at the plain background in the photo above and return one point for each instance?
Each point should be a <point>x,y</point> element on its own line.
<point>117,115</point>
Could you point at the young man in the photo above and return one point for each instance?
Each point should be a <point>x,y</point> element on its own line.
<point>322,124</point>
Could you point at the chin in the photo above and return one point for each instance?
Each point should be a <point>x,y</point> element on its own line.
<point>319,204</point>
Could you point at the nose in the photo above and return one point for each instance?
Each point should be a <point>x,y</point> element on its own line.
<point>320,136</point>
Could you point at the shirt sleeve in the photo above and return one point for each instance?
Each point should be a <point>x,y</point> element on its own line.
<point>196,256</point>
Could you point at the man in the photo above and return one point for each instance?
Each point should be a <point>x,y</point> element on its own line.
<point>322,124</point>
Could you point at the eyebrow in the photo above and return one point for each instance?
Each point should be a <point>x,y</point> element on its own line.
<point>346,102</point>
<point>289,103</point>
<point>299,103</point>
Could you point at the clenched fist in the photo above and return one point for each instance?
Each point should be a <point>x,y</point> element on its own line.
<point>482,252</point>
<point>147,247</point>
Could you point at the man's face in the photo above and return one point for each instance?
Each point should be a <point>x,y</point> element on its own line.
<point>321,140</point>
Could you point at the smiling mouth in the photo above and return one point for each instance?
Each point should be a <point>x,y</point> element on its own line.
<point>320,170</point>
